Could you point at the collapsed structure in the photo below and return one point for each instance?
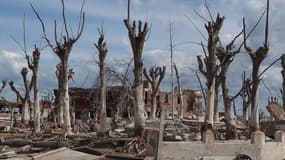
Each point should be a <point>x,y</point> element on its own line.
<point>85,101</point>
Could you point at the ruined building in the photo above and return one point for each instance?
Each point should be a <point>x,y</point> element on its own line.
<point>192,104</point>
<point>84,101</point>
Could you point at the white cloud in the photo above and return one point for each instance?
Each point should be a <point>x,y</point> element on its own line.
<point>11,63</point>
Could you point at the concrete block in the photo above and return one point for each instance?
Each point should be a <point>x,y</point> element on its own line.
<point>208,136</point>
<point>279,136</point>
<point>152,135</point>
<point>258,137</point>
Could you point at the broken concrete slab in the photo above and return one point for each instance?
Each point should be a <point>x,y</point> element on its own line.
<point>218,158</point>
<point>64,153</point>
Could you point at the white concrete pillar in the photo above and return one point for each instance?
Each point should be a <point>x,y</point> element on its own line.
<point>258,137</point>
<point>279,136</point>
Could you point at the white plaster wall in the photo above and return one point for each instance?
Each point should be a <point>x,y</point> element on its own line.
<point>197,150</point>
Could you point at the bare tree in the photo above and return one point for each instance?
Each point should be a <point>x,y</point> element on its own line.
<point>126,98</point>
<point>25,99</point>
<point>33,64</point>
<point>213,28</point>
<point>225,56</point>
<point>137,39</point>
<point>257,58</point>
<point>156,75</point>
<point>102,49</point>
<point>62,49</point>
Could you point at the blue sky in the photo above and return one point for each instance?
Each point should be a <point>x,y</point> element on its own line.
<point>110,14</point>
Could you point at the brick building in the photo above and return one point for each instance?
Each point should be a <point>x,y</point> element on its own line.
<point>83,101</point>
<point>192,104</point>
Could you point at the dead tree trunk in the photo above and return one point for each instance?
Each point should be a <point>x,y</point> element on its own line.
<point>3,85</point>
<point>257,58</point>
<point>180,94</point>
<point>246,98</point>
<point>102,49</point>
<point>225,55</point>
<point>283,76</point>
<point>63,49</point>
<point>156,74</point>
<point>25,100</point>
<point>65,96</point>
<point>213,29</point>
<point>34,66</point>
<point>137,39</point>
<point>59,106</point>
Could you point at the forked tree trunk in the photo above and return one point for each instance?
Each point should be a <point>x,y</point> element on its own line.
<point>256,57</point>
<point>156,75</point>
<point>137,40</point>
<point>213,28</point>
<point>25,116</point>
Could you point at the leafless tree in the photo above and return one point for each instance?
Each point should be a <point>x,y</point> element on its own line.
<point>213,28</point>
<point>257,58</point>
<point>33,65</point>
<point>155,76</point>
<point>62,49</point>
<point>102,49</point>
<point>25,99</point>
<point>126,98</point>
<point>225,56</point>
<point>137,37</point>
